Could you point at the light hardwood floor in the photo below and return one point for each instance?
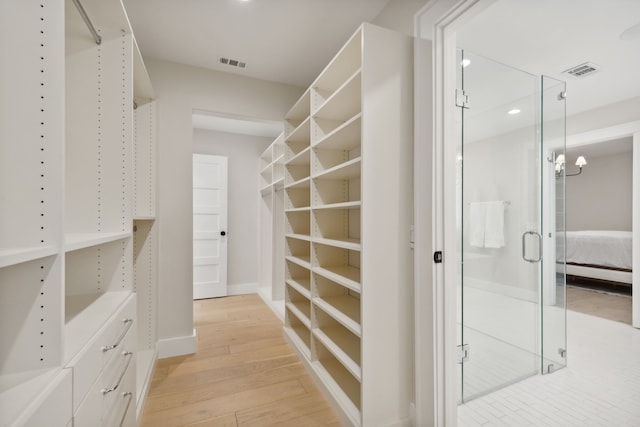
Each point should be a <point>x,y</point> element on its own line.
<point>243,374</point>
<point>600,304</point>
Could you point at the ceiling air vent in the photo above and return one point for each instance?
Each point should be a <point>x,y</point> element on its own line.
<point>232,62</point>
<point>582,70</point>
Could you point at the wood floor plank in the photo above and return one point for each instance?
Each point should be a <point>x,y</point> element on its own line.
<point>600,304</point>
<point>228,420</point>
<point>211,408</point>
<point>199,365</point>
<point>230,383</point>
<point>306,405</point>
<point>243,374</point>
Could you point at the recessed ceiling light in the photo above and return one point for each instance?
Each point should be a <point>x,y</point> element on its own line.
<point>513,111</point>
<point>465,62</point>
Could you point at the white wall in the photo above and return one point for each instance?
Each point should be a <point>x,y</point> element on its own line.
<point>608,115</point>
<point>600,198</point>
<point>242,152</point>
<point>179,90</point>
<point>399,15</point>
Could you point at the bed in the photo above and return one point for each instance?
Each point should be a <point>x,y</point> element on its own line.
<point>599,254</point>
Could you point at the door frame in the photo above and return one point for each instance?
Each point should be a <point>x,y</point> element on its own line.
<point>435,303</point>
<point>435,206</point>
<point>630,129</point>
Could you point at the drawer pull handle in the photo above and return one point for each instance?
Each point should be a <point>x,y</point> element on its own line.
<point>127,323</point>
<point>129,396</point>
<point>127,354</point>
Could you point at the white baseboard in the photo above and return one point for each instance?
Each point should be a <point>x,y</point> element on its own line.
<point>242,289</point>
<point>177,346</point>
<point>276,306</point>
<point>144,377</point>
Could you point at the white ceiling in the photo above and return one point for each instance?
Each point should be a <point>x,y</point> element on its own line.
<point>290,41</point>
<point>550,36</point>
<point>287,41</point>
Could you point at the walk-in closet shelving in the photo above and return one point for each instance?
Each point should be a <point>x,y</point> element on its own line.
<point>99,206</point>
<point>348,210</point>
<point>271,183</point>
<point>66,251</point>
<point>31,188</point>
<point>145,229</point>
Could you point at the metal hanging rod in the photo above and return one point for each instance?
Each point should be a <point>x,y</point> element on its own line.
<point>87,21</point>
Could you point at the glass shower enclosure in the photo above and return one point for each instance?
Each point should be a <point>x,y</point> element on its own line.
<point>510,223</point>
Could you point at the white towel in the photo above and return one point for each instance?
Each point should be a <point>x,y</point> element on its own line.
<point>476,224</point>
<point>494,224</point>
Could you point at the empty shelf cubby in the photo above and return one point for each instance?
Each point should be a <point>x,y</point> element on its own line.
<point>298,276</point>
<point>298,249</point>
<point>340,341</point>
<point>335,191</point>
<point>338,264</point>
<point>298,303</point>
<point>337,227</point>
<point>332,370</point>
<point>301,332</point>
<point>298,222</point>
<point>341,303</point>
<point>297,198</point>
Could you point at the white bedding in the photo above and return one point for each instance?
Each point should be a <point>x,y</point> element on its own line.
<point>602,248</point>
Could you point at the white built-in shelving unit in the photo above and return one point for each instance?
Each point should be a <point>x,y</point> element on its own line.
<point>67,246</point>
<point>271,184</point>
<point>348,204</point>
<point>145,230</point>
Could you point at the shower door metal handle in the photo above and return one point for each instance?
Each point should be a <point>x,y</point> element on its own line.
<point>524,246</point>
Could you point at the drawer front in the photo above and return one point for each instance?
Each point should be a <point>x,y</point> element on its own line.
<point>109,399</point>
<point>90,410</point>
<point>88,365</point>
<point>119,408</point>
<point>117,377</point>
<point>55,409</point>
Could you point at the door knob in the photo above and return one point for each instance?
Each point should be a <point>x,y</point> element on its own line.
<point>223,233</point>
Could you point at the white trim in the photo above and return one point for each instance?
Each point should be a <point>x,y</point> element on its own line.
<point>242,289</point>
<point>442,16</point>
<point>423,269</point>
<point>610,133</point>
<point>177,346</point>
<point>141,398</point>
<point>635,302</point>
<point>277,306</point>
<point>604,134</point>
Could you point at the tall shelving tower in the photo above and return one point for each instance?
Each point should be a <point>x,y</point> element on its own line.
<point>348,210</point>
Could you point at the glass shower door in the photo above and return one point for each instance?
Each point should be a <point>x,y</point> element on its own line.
<point>553,295</point>
<point>500,225</point>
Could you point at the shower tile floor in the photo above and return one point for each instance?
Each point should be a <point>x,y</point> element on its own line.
<point>599,387</point>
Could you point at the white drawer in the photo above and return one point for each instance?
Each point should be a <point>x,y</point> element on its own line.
<point>117,378</point>
<point>102,348</point>
<point>55,408</point>
<point>107,402</point>
<point>120,407</point>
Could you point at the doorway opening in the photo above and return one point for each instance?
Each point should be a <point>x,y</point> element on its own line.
<point>234,227</point>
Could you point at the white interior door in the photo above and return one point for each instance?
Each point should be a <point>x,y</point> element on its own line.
<point>209,226</point>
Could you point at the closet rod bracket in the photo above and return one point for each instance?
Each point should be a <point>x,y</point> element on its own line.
<point>87,21</point>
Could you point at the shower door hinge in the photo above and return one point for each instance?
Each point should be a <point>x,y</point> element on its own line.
<point>463,353</point>
<point>462,99</point>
